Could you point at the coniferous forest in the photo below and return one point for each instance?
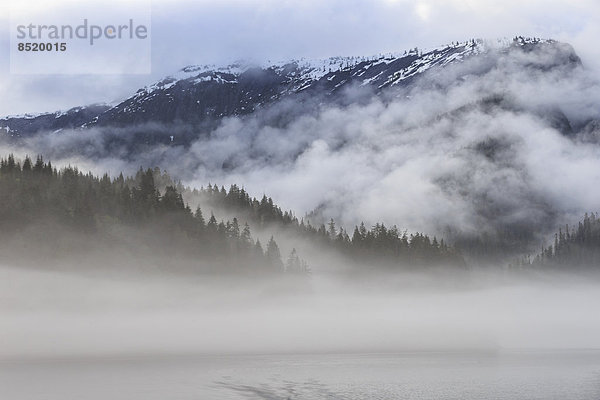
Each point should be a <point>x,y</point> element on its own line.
<point>152,215</point>
<point>41,204</point>
<point>573,247</point>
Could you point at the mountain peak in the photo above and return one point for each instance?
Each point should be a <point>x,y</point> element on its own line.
<point>204,93</point>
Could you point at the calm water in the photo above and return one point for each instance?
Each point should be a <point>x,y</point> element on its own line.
<point>502,375</point>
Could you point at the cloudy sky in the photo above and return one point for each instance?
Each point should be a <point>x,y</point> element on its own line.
<point>205,31</point>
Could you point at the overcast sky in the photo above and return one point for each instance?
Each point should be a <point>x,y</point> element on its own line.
<point>219,31</point>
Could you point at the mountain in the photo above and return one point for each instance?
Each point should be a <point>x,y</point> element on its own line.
<point>504,133</point>
<point>200,96</point>
<point>15,126</point>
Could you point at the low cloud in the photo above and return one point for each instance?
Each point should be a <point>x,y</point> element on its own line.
<point>470,149</point>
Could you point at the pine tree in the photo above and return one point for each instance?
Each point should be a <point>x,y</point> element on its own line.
<point>274,255</point>
<point>199,217</point>
<point>246,237</point>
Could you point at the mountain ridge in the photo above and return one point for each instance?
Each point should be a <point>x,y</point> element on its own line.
<point>201,95</point>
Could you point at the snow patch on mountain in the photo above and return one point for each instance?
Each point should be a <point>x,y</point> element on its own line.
<point>199,92</point>
<point>303,72</point>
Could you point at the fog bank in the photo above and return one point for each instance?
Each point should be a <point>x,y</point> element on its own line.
<point>498,143</point>
<point>49,314</point>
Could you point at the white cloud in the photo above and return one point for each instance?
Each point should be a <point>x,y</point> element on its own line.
<point>186,32</point>
<point>428,162</point>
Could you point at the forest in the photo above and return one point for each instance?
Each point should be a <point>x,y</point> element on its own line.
<point>573,247</point>
<point>39,202</point>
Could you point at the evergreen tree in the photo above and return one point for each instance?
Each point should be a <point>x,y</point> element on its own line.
<point>274,255</point>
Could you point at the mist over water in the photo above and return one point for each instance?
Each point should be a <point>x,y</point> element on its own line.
<point>60,314</point>
<point>124,336</point>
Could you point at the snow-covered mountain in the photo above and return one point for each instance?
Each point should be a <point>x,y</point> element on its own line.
<point>486,128</point>
<point>19,125</point>
<point>200,95</point>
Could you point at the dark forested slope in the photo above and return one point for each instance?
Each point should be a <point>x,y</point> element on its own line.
<point>40,204</point>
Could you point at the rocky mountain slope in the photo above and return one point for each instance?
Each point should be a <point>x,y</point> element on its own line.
<point>199,96</point>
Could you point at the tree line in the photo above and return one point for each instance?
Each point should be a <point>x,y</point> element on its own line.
<point>378,243</point>
<point>36,193</point>
<point>572,248</point>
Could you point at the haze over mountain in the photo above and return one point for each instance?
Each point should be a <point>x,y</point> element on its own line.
<point>207,93</point>
<point>301,200</point>
<point>476,138</point>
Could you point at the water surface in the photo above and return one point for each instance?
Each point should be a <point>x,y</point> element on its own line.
<point>419,375</point>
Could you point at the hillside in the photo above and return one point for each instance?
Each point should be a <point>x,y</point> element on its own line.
<point>200,96</point>
<point>45,211</point>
